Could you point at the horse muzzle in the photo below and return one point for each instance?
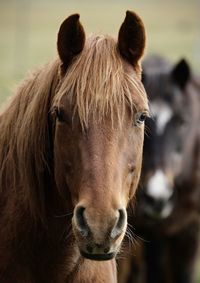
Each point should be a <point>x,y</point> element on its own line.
<point>99,238</point>
<point>157,209</point>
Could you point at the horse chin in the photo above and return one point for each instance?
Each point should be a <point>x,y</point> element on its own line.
<point>98,244</point>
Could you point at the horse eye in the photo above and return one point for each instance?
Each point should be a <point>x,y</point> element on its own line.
<point>60,114</point>
<point>140,118</point>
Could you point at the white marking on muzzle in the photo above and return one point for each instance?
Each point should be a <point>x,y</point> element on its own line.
<point>158,186</point>
<point>163,113</point>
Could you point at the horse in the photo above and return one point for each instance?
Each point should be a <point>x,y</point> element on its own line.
<point>70,158</point>
<point>167,210</point>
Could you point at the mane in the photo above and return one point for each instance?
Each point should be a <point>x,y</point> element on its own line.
<point>25,140</point>
<point>96,82</point>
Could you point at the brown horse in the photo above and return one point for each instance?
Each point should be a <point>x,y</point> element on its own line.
<point>70,158</point>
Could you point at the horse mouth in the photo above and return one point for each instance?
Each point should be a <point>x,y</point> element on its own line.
<point>98,257</point>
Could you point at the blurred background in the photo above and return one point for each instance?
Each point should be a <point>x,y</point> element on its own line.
<point>29,28</point>
<point>28,31</point>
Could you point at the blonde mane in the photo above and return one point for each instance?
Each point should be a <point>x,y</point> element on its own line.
<point>97,82</point>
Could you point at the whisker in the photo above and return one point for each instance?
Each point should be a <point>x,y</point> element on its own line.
<point>63,215</point>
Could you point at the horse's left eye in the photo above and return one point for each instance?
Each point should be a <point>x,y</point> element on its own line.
<point>60,115</point>
<point>140,118</point>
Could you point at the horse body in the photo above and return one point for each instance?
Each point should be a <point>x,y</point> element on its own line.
<point>66,169</point>
<point>167,212</point>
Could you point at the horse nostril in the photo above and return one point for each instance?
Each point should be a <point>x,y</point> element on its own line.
<point>121,220</point>
<point>80,221</point>
<point>106,250</point>
<point>119,224</point>
<point>131,167</point>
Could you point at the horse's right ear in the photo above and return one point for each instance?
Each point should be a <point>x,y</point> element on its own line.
<point>132,38</point>
<point>71,39</point>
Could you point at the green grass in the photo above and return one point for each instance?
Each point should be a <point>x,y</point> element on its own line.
<point>28,31</point>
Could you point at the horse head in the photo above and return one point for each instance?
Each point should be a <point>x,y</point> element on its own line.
<point>98,112</point>
<point>171,135</point>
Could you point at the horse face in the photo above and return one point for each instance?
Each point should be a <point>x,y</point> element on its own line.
<point>165,147</point>
<point>100,167</point>
<point>98,133</point>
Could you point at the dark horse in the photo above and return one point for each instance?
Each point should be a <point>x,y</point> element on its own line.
<point>70,158</point>
<point>168,204</point>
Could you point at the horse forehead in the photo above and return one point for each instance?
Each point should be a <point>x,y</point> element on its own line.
<point>103,145</point>
<point>104,142</point>
<point>103,133</point>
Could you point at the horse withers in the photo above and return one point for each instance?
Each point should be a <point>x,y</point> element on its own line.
<point>167,208</point>
<point>70,158</point>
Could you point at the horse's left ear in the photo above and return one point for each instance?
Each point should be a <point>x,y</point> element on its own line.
<point>71,39</point>
<point>181,73</point>
<point>132,38</point>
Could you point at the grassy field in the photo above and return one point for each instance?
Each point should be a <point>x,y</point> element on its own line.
<point>28,31</point>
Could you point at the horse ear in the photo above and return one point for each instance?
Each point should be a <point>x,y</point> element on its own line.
<point>132,38</point>
<point>181,73</point>
<point>71,39</point>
